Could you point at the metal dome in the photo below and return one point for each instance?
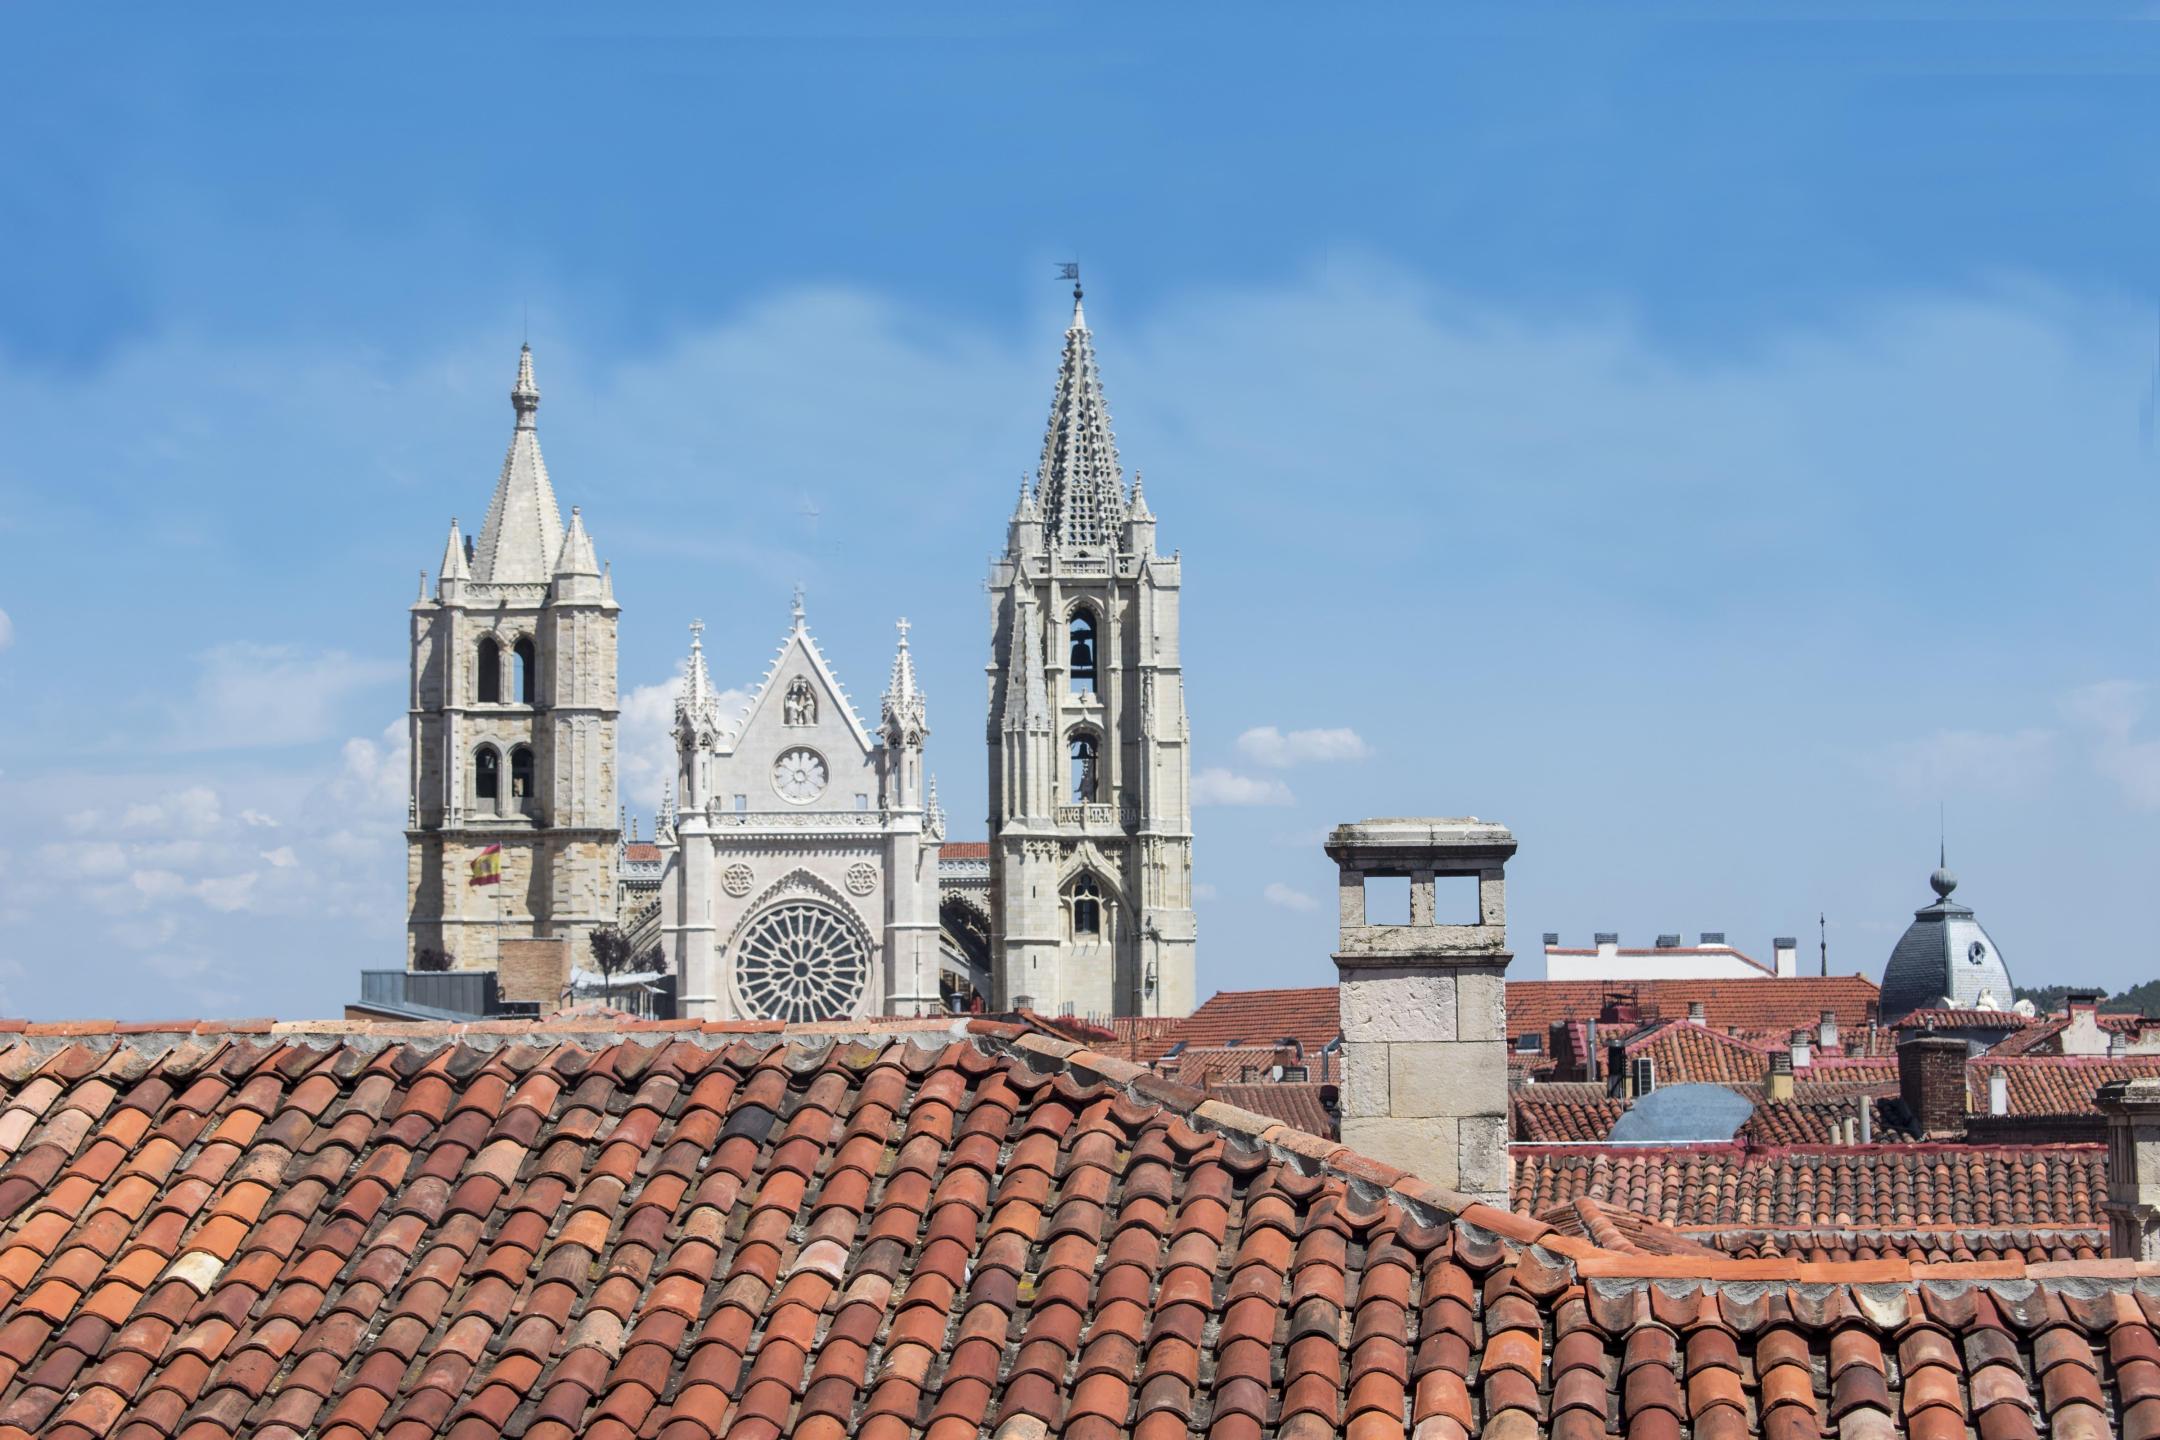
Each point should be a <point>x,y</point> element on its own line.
<point>1943,958</point>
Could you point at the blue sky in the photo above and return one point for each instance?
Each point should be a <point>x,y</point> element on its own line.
<point>1704,445</point>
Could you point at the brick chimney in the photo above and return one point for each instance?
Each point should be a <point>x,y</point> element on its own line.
<point>1931,1080</point>
<point>2132,1108</point>
<point>1424,1007</point>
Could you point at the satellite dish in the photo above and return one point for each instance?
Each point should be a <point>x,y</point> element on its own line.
<point>1681,1115</point>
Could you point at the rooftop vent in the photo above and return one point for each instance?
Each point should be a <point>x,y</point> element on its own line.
<point>1552,938</point>
<point>1713,937</point>
<point>1668,942</point>
<point>1608,937</point>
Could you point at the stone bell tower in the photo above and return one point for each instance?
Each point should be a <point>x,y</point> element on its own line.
<point>1090,771</point>
<point>512,718</point>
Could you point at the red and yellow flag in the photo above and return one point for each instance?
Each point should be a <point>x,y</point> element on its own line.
<point>487,867</point>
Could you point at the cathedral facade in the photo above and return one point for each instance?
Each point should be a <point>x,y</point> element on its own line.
<point>1090,849</point>
<point>512,719</point>
<point>801,861</point>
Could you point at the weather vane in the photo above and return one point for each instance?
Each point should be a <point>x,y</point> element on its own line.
<point>1070,270</point>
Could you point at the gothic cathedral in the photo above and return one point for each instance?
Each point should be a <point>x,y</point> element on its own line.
<point>800,878</point>
<point>1090,771</point>
<point>512,717</point>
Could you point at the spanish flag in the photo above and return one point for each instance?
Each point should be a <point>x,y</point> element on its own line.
<point>487,867</point>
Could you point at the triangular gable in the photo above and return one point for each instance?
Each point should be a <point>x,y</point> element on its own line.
<point>799,642</point>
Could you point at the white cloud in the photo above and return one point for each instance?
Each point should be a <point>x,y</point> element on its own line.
<point>646,749</point>
<point>192,811</point>
<point>1266,745</point>
<point>1963,760</point>
<point>2107,715</point>
<point>1201,890</point>
<point>249,695</point>
<point>1278,893</point>
<point>374,775</point>
<point>281,858</point>
<point>7,630</point>
<point>1226,787</point>
<point>226,892</point>
<point>158,884</point>
<point>86,860</point>
<point>257,819</point>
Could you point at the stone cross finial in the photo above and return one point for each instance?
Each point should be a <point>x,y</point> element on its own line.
<point>798,608</point>
<point>697,634</point>
<point>903,629</point>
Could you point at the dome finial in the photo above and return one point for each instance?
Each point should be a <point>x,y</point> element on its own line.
<point>1942,882</point>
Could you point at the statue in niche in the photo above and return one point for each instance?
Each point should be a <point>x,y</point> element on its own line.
<point>800,706</point>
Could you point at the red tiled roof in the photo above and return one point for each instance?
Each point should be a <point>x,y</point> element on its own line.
<point>641,850</point>
<point>1813,1121</point>
<point>1207,1066</point>
<point>2051,1084</point>
<point>1945,1019</point>
<point>1563,1110</point>
<point>1777,1006</point>
<point>2044,1034</point>
<point>1309,1015</point>
<point>1622,1231</point>
<point>1302,1104</point>
<point>938,1228</point>
<point>1687,1053</point>
<point>964,850</point>
<point>1803,1187</point>
<point>1313,1015</point>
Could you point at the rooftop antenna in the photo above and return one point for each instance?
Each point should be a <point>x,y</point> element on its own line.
<point>1822,932</point>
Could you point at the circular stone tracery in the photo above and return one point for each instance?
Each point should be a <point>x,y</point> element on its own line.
<point>802,961</point>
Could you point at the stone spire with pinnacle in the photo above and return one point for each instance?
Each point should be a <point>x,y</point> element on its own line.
<point>524,531</point>
<point>697,707</point>
<point>1083,489</point>
<point>905,717</point>
<point>453,561</point>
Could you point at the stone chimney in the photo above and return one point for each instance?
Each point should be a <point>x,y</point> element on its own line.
<point>1424,1005</point>
<point>1695,1012</point>
<point>1786,951</point>
<point>1777,1082</point>
<point>1998,1091</point>
<point>2132,1108</point>
<point>1931,1080</point>
<point>1826,1037</point>
<point>2081,1034</point>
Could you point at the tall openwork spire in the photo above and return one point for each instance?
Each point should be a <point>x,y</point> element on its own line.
<point>524,530</point>
<point>1083,489</point>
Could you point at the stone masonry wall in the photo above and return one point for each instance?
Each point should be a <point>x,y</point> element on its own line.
<point>1425,1071</point>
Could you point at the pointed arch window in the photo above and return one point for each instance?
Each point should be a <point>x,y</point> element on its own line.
<point>487,776</point>
<point>1082,635</point>
<point>1086,769</point>
<point>521,777</point>
<point>487,672</point>
<point>1086,908</point>
<point>528,673</point>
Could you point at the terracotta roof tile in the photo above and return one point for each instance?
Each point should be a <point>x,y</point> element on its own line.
<point>1766,1006</point>
<point>2051,1084</point>
<point>954,1229</point>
